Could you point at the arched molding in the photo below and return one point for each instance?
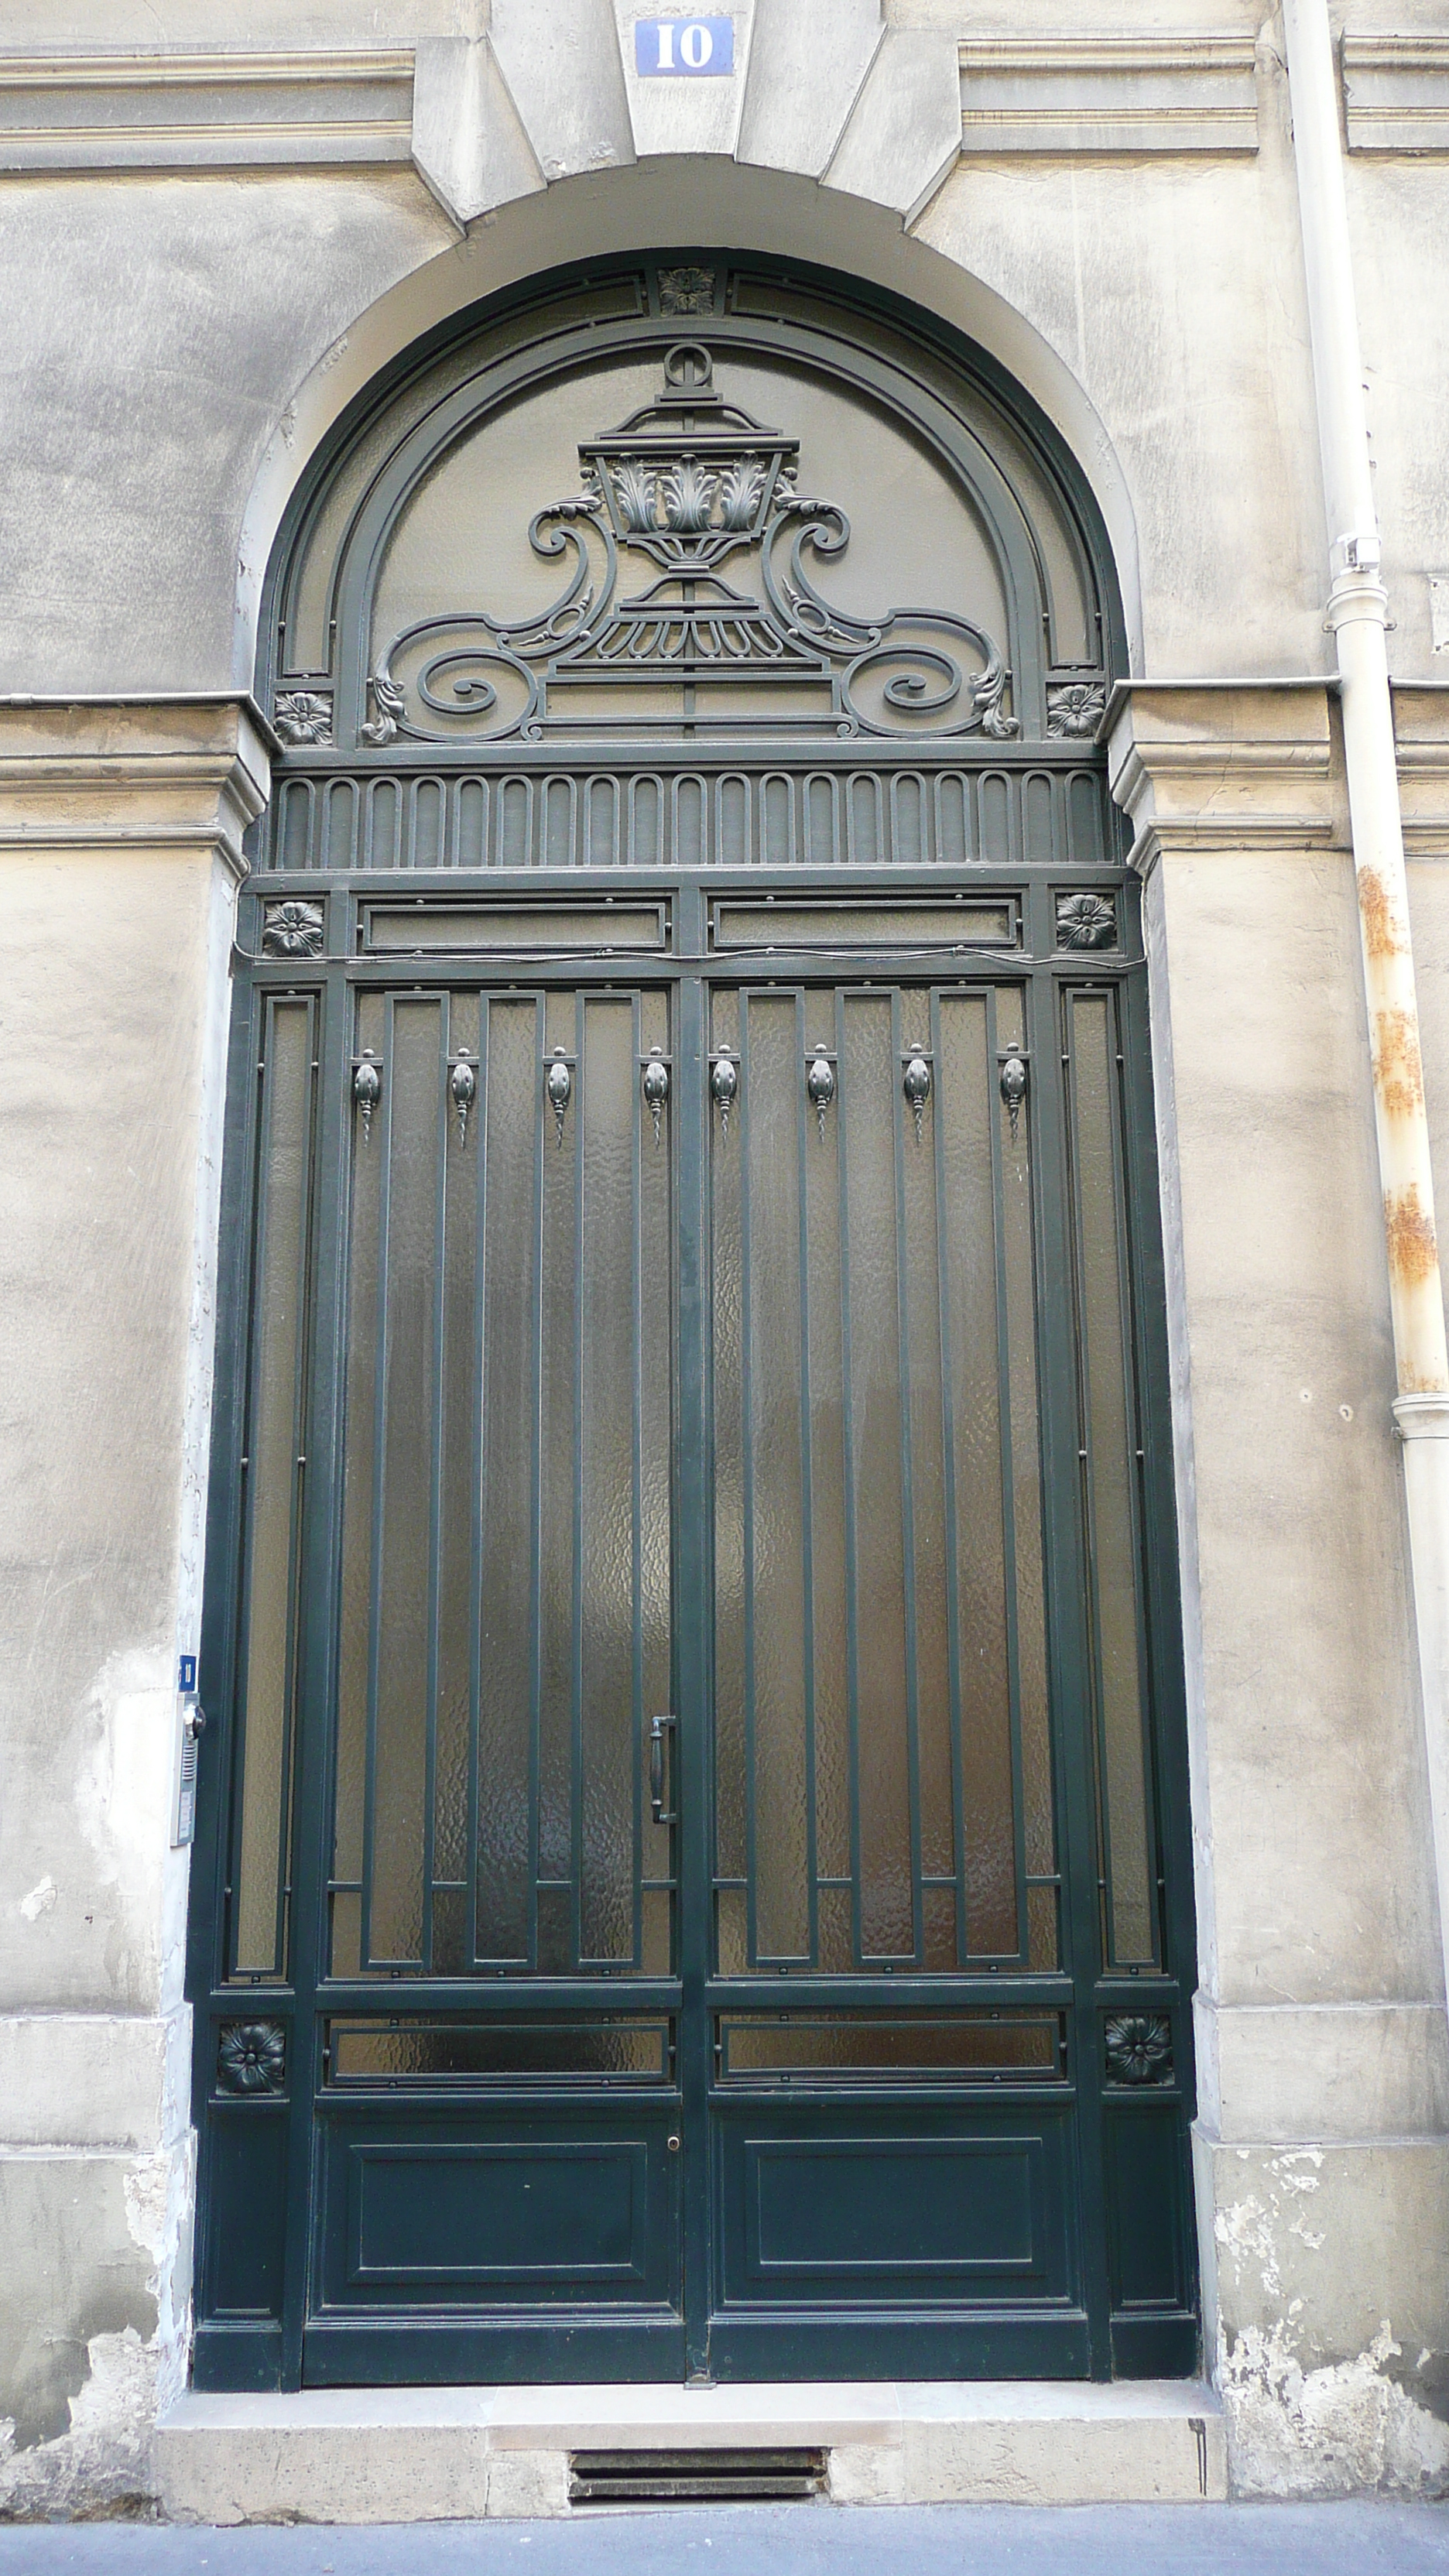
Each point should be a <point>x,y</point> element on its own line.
<point>662,205</point>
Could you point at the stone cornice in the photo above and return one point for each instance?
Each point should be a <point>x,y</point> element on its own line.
<point>143,773</point>
<point>1396,93</point>
<point>1224,765</point>
<point>1421,734</point>
<point>163,110</point>
<point>1108,94</point>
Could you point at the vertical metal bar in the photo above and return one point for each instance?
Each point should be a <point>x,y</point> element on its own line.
<point>535,1516</point>
<point>948,1453</point>
<point>478,1517</point>
<point>1068,1644</point>
<point>262,1119</point>
<point>379,1463</point>
<point>908,1522</point>
<point>694,1582</point>
<point>576,1636</point>
<point>315,1747</point>
<point>747,1462</point>
<point>435,1485</point>
<point>847,1407</point>
<point>636,1483</point>
<point>807,1491</point>
<point>1008,1485</point>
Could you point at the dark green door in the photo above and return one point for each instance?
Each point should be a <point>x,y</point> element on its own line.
<point>692,1873</point>
<point>709,1660</point>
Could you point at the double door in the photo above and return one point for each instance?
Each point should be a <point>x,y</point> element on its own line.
<point>695,1817</point>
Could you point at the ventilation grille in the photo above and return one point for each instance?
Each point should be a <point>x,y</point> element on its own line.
<point>694,2477</point>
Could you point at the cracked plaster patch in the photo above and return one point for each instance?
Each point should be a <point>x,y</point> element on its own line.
<point>1337,2430</point>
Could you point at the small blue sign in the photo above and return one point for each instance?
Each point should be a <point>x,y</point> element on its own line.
<point>187,1683</point>
<point>688,48</point>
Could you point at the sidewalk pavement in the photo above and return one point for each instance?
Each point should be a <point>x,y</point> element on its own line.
<point>1358,2539</point>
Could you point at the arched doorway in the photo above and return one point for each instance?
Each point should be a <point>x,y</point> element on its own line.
<point>698,1819</point>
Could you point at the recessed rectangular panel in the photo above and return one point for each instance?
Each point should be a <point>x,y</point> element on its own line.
<point>247,2170</point>
<point>943,2207</point>
<point>861,2048</point>
<point>533,929</point>
<point>498,2215</point>
<point>849,925</point>
<point>501,2052</point>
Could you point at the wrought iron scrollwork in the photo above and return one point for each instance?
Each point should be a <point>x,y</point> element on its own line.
<point>688,482</point>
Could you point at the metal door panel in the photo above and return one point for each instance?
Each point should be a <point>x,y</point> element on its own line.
<point>767,1253</point>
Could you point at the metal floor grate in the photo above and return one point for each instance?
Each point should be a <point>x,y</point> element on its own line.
<point>755,2476</point>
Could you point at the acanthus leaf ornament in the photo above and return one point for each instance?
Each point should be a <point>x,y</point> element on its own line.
<point>689,482</point>
<point>292,929</point>
<point>302,716</point>
<point>389,701</point>
<point>686,291</point>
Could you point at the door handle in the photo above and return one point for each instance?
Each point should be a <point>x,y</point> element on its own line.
<point>656,1771</point>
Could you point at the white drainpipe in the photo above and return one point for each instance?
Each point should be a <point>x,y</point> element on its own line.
<point>1357,614</point>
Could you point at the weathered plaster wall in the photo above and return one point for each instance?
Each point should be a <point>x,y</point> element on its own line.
<point>114,930</point>
<point>1322,2156</point>
<point>173,346</point>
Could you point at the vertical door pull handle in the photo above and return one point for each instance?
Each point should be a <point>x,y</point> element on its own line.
<point>661,1815</point>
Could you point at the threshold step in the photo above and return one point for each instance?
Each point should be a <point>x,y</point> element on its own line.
<point>457,2454</point>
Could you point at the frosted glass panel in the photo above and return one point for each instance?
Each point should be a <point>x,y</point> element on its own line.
<point>1112,1474</point>
<point>878,1636</point>
<point>274,1484</point>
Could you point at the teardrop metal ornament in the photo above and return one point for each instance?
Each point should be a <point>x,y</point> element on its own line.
<point>367,1089</point>
<point>463,1084</point>
<point>1013,1088</point>
<point>724,1088</point>
<point>656,1087</point>
<point>820,1086</point>
<point>559,1084</point>
<point>916,1084</point>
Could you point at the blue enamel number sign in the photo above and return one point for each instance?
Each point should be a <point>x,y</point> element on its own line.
<point>692,48</point>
